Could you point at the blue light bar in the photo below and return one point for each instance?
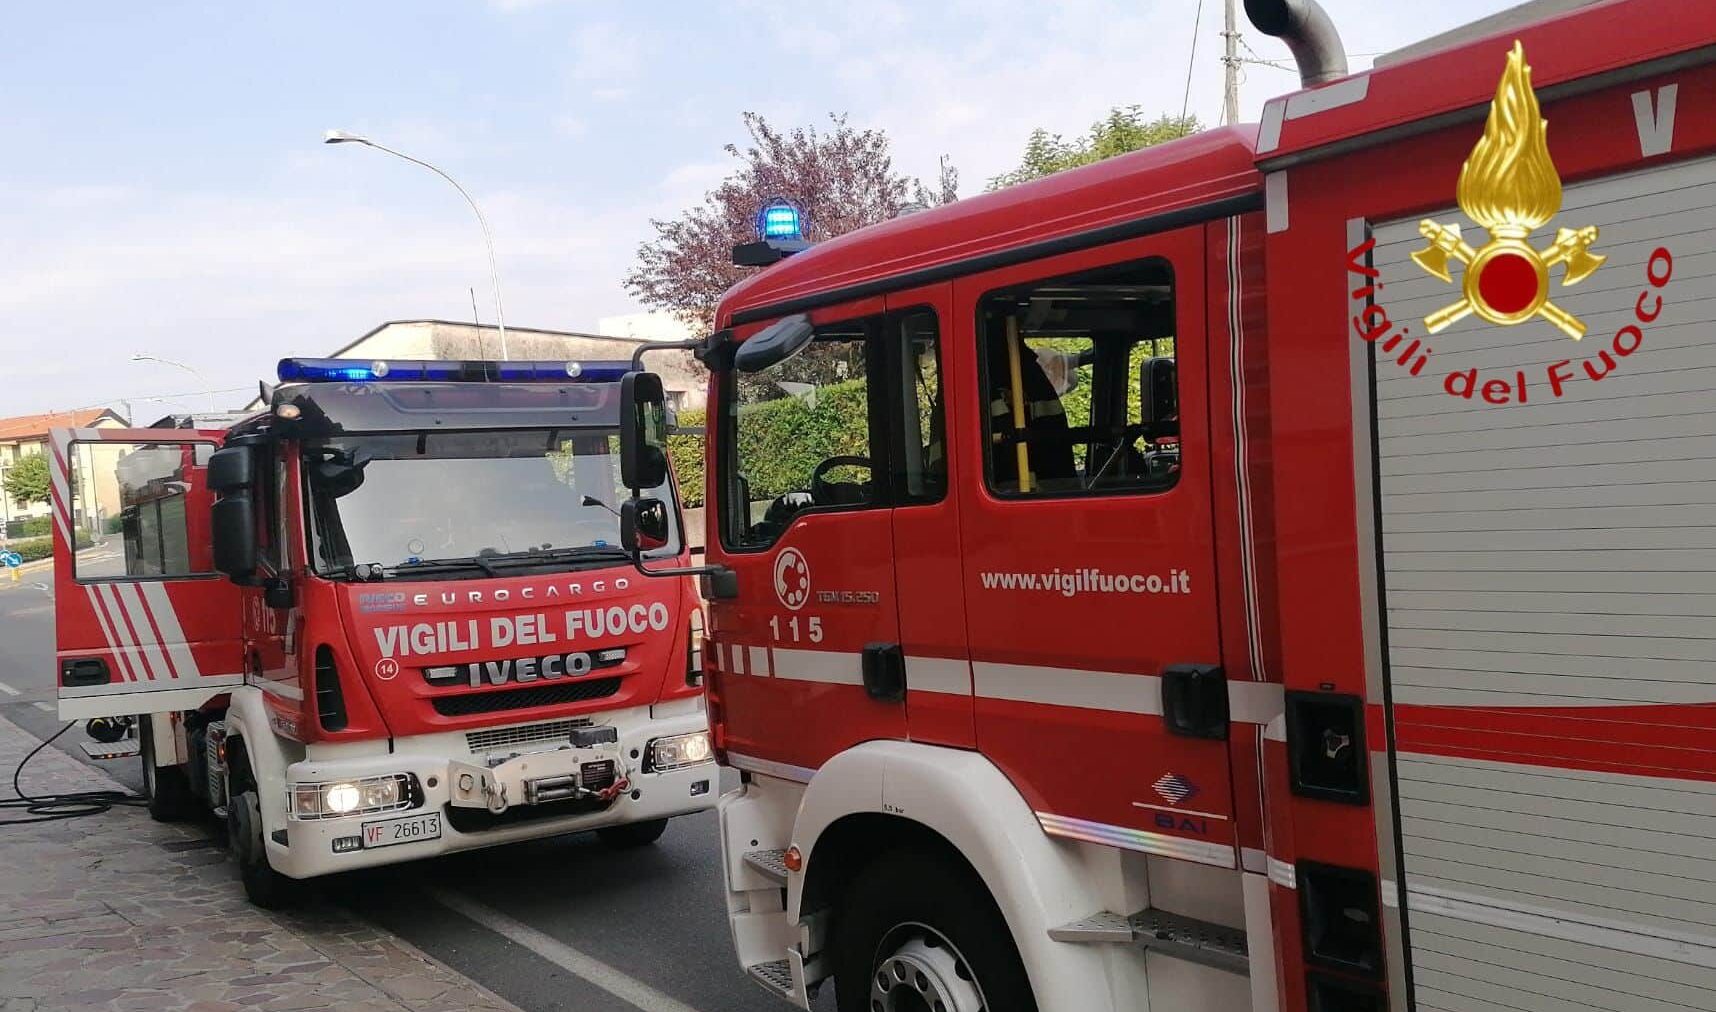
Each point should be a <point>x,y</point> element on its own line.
<point>780,219</point>
<point>394,370</point>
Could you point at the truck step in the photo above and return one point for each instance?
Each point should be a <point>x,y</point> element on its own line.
<point>111,750</point>
<point>776,976</point>
<point>771,863</point>
<point>1170,934</point>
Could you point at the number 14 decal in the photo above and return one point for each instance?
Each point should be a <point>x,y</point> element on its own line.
<point>813,628</point>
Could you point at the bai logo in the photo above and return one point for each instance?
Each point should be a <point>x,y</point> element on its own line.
<point>792,578</point>
<point>1509,186</point>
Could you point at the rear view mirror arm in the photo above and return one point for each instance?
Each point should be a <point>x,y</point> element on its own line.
<point>722,585</point>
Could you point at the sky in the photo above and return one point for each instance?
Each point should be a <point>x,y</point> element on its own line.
<point>164,190</point>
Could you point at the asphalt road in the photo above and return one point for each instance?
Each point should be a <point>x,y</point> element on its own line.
<point>561,924</point>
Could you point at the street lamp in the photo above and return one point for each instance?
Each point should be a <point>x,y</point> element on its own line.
<point>342,137</point>
<point>213,402</point>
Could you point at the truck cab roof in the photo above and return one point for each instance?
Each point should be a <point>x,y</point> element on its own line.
<point>1198,176</point>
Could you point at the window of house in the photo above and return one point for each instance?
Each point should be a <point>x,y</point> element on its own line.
<point>1081,383</point>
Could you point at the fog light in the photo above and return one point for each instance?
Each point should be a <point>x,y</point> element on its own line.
<point>340,798</point>
<point>385,793</point>
<point>679,750</point>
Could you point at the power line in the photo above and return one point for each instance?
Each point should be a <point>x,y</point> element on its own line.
<point>1197,21</point>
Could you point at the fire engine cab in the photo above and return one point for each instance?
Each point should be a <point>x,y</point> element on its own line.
<point>385,618</point>
<point>1273,570</point>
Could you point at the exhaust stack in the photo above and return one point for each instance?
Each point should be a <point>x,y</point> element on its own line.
<point>1308,32</point>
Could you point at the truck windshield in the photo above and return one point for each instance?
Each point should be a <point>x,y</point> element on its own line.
<point>513,498</point>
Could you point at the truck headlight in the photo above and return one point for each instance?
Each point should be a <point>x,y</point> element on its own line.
<point>679,750</point>
<point>353,797</point>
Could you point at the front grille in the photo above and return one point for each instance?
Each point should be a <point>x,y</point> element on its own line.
<point>520,699</point>
<point>330,699</point>
<point>524,734</point>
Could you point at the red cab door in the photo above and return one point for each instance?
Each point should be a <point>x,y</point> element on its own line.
<point>799,511</point>
<point>143,622</point>
<point>1085,516</point>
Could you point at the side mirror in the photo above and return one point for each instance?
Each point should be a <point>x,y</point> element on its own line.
<point>643,431</point>
<point>233,523</point>
<point>1159,396</point>
<point>774,344</point>
<point>231,468</point>
<point>643,525</point>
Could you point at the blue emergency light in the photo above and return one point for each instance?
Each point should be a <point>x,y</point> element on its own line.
<point>394,370</point>
<point>780,219</point>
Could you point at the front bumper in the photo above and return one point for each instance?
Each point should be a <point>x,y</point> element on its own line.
<point>490,802</point>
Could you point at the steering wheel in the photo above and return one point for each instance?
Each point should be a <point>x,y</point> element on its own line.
<point>839,493</point>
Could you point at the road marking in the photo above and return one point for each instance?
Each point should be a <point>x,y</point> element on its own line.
<point>8,690</point>
<point>617,983</point>
<point>45,707</point>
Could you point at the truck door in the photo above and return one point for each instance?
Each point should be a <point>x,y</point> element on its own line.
<point>926,517</point>
<point>808,656</point>
<point>144,623</point>
<point>1089,568</point>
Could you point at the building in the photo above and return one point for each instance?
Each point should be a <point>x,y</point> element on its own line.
<point>27,436</point>
<point>683,377</point>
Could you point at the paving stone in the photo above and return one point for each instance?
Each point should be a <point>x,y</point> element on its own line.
<point>118,912</point>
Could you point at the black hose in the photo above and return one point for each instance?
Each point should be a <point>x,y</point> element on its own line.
<point>53,807</point>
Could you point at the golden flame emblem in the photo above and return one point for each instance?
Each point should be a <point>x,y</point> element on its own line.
<point>1509,186</point>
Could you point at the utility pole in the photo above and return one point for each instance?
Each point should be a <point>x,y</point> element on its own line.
<point>1230,67</point>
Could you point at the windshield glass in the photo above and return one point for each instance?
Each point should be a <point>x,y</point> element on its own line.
<point>407,500</point>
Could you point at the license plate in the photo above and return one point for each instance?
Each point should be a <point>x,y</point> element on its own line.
<point>415,829</point>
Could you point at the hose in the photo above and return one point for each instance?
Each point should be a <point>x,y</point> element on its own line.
<point>54,807</point>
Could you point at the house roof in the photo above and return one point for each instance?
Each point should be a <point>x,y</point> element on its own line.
<point>28,426</point>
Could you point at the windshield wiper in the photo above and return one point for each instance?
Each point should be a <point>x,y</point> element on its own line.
<point>529,557</point>
<point>442,566</point>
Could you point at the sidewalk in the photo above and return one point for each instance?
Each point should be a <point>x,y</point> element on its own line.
<point>116,911</point>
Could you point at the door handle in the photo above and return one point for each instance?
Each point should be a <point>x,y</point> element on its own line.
<point>884,668</point>
<point>1194,701</point>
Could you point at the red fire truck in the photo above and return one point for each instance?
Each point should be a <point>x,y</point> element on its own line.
<point>385,618</point>
<point>1271,570</point>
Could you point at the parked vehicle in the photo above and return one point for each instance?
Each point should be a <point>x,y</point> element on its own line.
<point>1245,594</point>
<point>386,618</point>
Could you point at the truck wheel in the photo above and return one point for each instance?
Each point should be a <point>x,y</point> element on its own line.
<point>632,834</point>
<point>166,787</point>
<point>920,931</point>
<point>264,886</point>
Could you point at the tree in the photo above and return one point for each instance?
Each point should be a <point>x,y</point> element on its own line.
<point>843,179</point>
<point>1123,129</point>
<point>28,480</point>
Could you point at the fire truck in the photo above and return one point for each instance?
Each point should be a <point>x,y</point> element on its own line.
<point>1273,570</point>
<point>384,618</point>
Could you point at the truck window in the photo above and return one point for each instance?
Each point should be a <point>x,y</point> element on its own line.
<point>1081,395</point>
<point>129,510</point>
<point>920,427</point>
<point>798,436</point>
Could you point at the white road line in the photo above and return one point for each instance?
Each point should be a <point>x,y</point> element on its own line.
<point>8,690</point>
<point>45,707</point>
<point>589,968</point>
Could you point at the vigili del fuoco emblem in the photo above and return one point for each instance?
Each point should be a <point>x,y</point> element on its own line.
<point>1509,186</point>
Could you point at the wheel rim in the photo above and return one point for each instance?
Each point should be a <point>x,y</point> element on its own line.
<point>919,970</point>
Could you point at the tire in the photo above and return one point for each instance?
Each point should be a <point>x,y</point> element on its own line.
<point>263,886</point>
<point>632,834</point>
<point>918,930</point>
<point>166,787</point>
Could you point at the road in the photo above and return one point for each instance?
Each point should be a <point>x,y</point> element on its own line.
<point>562,924</point>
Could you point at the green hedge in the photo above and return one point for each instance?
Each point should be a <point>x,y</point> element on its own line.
<point>780,441</point>
<point>33,549</point>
